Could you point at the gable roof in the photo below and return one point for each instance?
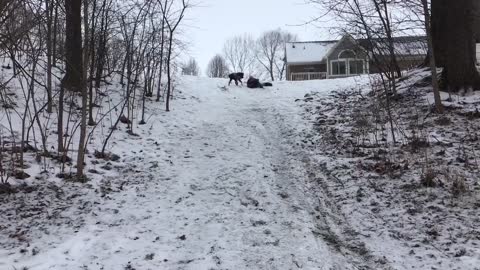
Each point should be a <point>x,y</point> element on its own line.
<point>307,52</point>
<point>345,38</point>
<point>317,51</point>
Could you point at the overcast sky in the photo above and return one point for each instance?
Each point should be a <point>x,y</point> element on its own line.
<point>209,25</point>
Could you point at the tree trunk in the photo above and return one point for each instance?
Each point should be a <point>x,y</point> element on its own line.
<point>169,74</point>
<point>454,43</point>
<point>93,59</point>
<point>73,46</point>
<point>83,123</point>
<point>431,54</point>
<point>271,70</point>
<point>54,44</point>
<point>439,25</point>
<point>49,12</point>
<point>461,69</point>
<point>61,98</point>
<point>162,47</point>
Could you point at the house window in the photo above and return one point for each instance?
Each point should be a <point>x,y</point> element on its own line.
<point>347,54</point>
<point>339,67</point>
<point>356,67</point>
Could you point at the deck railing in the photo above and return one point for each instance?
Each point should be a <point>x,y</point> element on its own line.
<point>306,76</point>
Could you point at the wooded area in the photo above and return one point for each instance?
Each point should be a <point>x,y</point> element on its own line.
<point>81,46</point>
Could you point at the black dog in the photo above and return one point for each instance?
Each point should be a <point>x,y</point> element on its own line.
<point>255,83</point>
<point>236,77</point>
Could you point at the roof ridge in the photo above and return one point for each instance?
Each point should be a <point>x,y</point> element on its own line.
<point>312,41</point>
<point>332,40</point>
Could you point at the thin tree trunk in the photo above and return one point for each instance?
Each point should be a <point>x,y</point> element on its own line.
<point>169,75</point>
<point>49,12</point>
<point>91,98</point>
<point>61,97</point>
<point>436,91</point>
<point>83,125</point>
<point>54,44</point>
<point>122,71</point>
<point>162,46</point>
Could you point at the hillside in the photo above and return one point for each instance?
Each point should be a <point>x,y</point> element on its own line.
<point>298,176</point>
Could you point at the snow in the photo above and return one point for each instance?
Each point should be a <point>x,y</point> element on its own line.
<point>231,178</point>
<point>307,52</point>
<point>378,187</point>
<point>216,183</point>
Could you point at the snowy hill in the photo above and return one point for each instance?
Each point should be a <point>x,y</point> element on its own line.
<point>231,178</point>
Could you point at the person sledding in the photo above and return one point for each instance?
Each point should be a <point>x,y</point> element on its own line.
<point>255,83</point>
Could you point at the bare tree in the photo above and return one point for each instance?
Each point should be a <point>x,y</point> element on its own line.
<point>239,52</point>
<point>138,39</point>
<point>373,21</point>
<point>173,15</point>
<point>271,52</point>
<point>217,67</point>
<point>191,68</point>
<point>419,11</point>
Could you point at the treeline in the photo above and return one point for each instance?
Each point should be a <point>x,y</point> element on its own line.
<point>264,56</point>
<point>61,53</point>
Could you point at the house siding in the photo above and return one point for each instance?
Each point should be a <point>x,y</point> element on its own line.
<point>347,44</point>
<point>301,68</point>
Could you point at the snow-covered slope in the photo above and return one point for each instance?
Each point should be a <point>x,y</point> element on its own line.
<point>231,178</point>
<point>218,183</point>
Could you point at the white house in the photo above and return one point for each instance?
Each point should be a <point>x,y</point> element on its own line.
<point>346,57</point>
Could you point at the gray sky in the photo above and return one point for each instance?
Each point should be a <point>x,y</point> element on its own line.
<point>209,25</point>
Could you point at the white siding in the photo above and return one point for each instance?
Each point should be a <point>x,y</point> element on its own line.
<point>478,53</point>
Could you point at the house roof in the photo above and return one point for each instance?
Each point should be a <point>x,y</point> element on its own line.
<point>306,52</point>
<point>317,51</point>
<point>406,45</point>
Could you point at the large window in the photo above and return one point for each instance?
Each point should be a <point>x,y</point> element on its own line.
<point>348,64</point>
<point>339,67</point>
<point>356,67</point>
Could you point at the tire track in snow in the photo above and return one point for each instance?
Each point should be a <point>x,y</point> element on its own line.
<point>331,227</point>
